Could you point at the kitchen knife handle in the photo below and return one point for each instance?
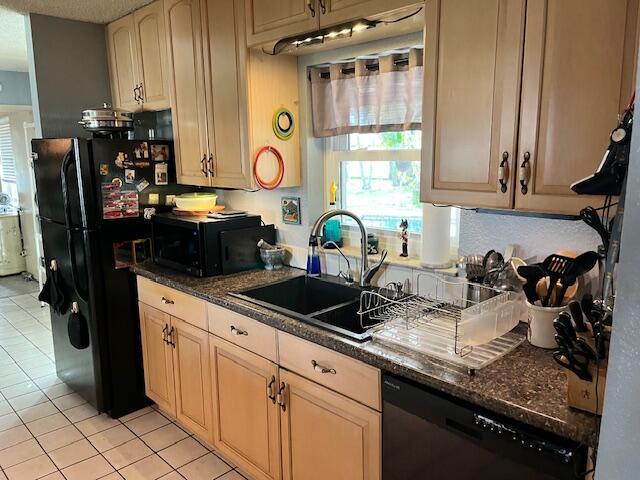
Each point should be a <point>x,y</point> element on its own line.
<point>525,173</point>
<point>503,172</point>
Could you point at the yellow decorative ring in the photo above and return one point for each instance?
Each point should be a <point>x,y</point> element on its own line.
<point>283,124</point>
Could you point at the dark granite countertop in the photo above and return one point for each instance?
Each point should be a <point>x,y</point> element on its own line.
<point>526,385</point>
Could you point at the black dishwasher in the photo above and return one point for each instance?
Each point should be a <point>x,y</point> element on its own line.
<point>427,435</point>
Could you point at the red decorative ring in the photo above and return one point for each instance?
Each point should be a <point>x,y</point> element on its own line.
<point>277,180</point>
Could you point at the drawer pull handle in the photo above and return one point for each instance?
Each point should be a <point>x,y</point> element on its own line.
<point>280,398</point>
<point>237,331</point>
<point>503,172</point>
<point>172,342</point>
<point>270,393</point>
<point>164,333</point>
<point>525,173</point>
<point>320,369</point>
<point>166,301</point>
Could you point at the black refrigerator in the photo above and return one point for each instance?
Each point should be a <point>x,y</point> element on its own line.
<point>91,196</point>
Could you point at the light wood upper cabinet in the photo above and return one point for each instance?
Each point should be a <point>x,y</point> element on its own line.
<point>268,20</point>
<point>136,45</point>
<point>246,418</point>
<point>333,12</point>
<point>471,99</point>
<point>226,83</point>
<point>187,87</point>
<point>326,435</point>
<point>541,104</point>
<point>123,63</point>
<point>191,368</point>
<point>152,56</point>
<point>157,358</point>
<point>579,59</point>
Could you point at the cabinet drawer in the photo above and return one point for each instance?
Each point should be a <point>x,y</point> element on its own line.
<point>332,369</point>
<point>243,331</point>
<point>190,309</point>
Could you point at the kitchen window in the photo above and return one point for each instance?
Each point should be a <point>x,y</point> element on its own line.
<point>7,161</point>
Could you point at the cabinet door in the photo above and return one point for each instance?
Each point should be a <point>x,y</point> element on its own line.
<point>269,21</point>
<point>121,47</point>
<point>151,45</point>
<point>472,72</point>
<point>326,435</point>
<point>227,93</point>
<point>187,89</point>
<point>192,377</point>
<point>579,61</point>
<point>245,415</point>
<point>157,358</point>
<point>333,12</point>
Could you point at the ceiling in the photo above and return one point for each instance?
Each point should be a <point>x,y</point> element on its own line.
<point>96,11</point>
<point>13,43</point>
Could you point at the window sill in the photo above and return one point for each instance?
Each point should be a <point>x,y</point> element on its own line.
<point>393,258</point>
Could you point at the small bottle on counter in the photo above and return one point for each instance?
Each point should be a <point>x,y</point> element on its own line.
<point>313,259</point>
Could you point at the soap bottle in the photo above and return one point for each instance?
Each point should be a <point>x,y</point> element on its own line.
<point>313,259</point>
<point>332,228</point>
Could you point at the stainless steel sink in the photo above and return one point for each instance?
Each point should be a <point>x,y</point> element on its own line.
<point>325,302</point>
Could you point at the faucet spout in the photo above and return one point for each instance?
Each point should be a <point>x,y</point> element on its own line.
<point>316,231</point>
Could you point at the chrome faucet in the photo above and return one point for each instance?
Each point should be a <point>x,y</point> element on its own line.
<point>366,272</point>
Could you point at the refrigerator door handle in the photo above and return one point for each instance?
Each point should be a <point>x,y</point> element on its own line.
<point>66,162</point>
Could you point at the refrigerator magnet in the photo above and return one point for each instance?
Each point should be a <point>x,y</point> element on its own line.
<point>141,151</point>
<point>144,183</point>
<point>104,169</point>
<point>160,153</point>
<point>129,176</point>
<point>142,163</point>
<point>162,174</point>
<point>117,181</point>
<point>120,160</point>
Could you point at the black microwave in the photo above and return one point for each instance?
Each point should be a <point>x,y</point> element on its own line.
<point>203,246</point>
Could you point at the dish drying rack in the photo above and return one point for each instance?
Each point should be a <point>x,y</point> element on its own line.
<point>446,324</point>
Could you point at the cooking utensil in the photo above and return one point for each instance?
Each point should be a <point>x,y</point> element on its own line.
<point>577,315</point>
<point>532,274</point>
<point>574,361</point>
<point>543,286</point>
<point>580,265</point>
<point>106,119</point>
<point>556,266</point>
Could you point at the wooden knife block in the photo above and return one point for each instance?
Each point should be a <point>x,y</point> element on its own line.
<point>588,396</point>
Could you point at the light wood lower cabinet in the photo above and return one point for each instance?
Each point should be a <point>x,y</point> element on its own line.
<point>326,435</point>
<point>246,417</point>
<point>192,377</point>
<point>176,369</point>
<point>157,357</point>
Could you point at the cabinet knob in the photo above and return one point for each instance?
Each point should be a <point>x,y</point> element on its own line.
<point>238,331</point>
<point>525,173</point>
<point>311,8</point>
<point>320,369</point>
<point>503,172</point>
<point>166,301</point>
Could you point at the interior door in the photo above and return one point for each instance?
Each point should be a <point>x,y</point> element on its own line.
<point>245,415</point>
<point>227,96</point>
<point>271,21</point>
<point>472,71</point>
<point>122,51</point>
<point>579,63</point>
<point>152,56</point>
<point>157,358</point>
<point>192,376</point>
<point>333,12</point>
<point>187,89</point>
<point>326,435</point>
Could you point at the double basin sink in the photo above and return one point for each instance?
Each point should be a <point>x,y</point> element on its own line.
<point>325,302</point>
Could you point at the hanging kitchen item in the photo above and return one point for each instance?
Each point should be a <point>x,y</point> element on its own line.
<point>283,124</point>
<point>107,119</point>
<point>52,292</point>
<point>277,179</point>
<point>77,328</point>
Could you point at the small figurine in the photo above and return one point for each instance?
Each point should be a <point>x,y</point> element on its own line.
<point>404,236</point>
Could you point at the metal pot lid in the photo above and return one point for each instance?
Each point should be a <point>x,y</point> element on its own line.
<point>107,112</point>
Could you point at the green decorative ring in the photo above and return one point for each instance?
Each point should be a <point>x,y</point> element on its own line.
<point>283,133</point>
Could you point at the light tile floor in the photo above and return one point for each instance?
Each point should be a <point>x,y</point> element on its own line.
<point>47,431</point>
